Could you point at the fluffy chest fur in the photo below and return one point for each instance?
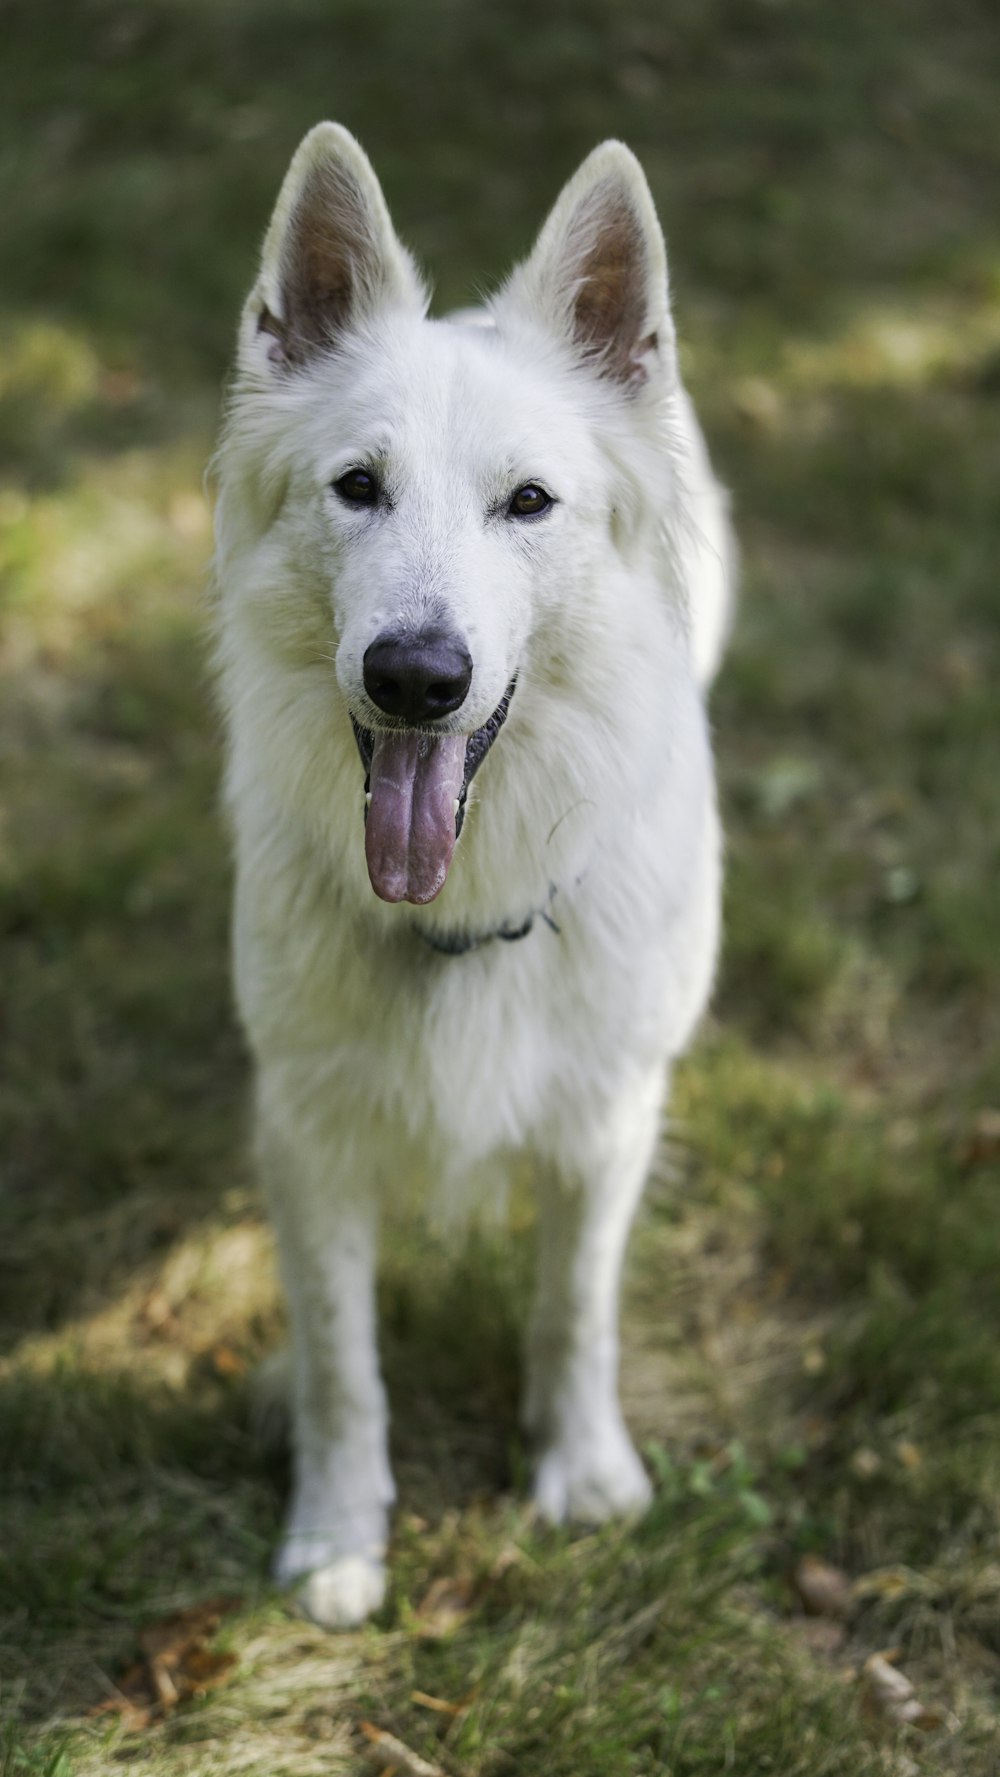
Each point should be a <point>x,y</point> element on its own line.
<point>459,1057</point>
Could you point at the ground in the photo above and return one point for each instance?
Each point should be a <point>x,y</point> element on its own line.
<point>812,1352</point>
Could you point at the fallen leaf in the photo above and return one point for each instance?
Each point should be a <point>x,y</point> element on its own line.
<point>391,1754</point>
<point>439,1704</point>
<point>176,1664</point>
<point>823,1589</point>
<point>445,1605</point>
<point>888,1694</point>
<point>134,1717</point>
<point>173,1637</point>
<point>164,1688</point>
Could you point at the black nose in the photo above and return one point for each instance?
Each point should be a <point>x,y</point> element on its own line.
<point>417,676</point>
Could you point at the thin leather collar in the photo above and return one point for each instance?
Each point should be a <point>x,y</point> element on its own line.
<point>460,943</point>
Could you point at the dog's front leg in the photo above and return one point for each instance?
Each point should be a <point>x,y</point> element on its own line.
<point>335,1536</point>
<point>587,1466</point>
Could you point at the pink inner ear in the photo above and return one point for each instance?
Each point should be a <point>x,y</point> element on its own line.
<point>329,254</point>
<point>609,306</point>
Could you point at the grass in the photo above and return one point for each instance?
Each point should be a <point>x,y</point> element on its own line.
<point>812,1325</point>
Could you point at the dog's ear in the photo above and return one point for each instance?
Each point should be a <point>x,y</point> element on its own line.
<point>598,271</point>
<point>331,257</point>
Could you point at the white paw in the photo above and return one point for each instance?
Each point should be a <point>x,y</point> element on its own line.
<point>343,1594</point>
<point>591,1479</point>
<point>337,1582</point>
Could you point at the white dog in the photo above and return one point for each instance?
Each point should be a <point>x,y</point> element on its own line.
<point>473,581</point>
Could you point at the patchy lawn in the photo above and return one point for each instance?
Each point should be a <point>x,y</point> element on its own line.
<point>813,1328</point>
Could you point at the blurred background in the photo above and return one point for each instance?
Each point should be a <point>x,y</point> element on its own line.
<point>812,1352</point>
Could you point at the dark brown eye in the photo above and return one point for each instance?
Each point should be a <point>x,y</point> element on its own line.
<point>530,501</point>
<point>358,487</point>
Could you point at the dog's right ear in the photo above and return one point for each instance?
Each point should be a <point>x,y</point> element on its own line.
<point>331,258</point>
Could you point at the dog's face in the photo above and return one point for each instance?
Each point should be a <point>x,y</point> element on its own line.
<point>447,475</point>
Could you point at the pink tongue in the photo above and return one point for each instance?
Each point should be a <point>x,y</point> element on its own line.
<point>415,782</point>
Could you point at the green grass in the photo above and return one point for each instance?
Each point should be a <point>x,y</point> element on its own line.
<point>812,1329</point>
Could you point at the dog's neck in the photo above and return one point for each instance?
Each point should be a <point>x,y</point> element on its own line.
<point>459,942</point>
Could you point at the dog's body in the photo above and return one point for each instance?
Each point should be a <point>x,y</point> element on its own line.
<point>492,540</point>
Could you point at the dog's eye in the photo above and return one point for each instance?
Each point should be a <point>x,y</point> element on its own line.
<point>358,487</point>
<point>530,501</point>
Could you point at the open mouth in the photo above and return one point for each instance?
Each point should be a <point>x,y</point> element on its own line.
<point>416,784</point>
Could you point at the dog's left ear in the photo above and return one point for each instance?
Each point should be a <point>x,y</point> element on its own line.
<point>331,257</point>
<point>598,271</point>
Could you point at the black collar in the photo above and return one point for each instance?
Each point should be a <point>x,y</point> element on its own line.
<point>460,943</point>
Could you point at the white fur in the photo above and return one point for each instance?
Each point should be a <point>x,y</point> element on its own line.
<point>382,1065</point>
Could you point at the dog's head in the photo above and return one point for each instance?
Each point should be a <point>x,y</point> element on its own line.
<point>444,485</point>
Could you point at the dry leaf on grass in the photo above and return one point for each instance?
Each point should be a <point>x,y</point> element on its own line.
<point>176,1663</point>
<point>822,1588</point>
<point>445,1605</point>
<point>130,1700</point>
<point>889,1696</point>
<point>391,1754</point>
<point>440,1705</point>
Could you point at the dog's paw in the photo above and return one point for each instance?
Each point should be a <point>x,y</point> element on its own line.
<point>344,1593</point>
<point>335,1586</point>
<point>591,1480</point>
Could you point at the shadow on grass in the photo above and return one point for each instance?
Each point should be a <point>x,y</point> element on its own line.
<point>122,1071</point>
<point>125,1495</point>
